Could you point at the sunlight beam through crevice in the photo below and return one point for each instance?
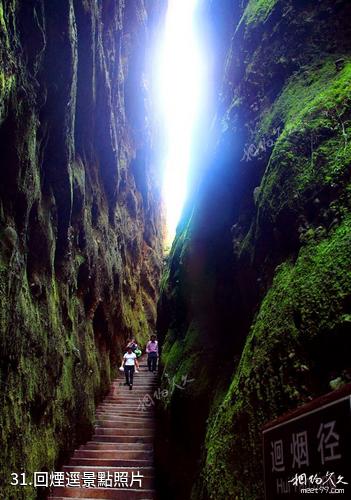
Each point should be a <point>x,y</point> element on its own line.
<point>181,79</point>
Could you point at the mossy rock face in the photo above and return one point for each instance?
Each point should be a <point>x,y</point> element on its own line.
<point>312,154</point>
<point>79,269</point>
<point>296,347</point>
<point>257,11</point>
<point>260,264</point>
<point>304,190</point>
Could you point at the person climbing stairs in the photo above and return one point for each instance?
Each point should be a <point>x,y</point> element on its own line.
<point>118,461</point>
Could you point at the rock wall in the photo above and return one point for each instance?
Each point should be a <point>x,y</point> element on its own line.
<point>256,301</point>
<point>80,217</point>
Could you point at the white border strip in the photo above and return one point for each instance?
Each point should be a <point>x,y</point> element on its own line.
<point>308,413</point>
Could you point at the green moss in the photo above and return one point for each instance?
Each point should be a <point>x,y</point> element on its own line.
<point>185,359</point>
<point>181,240</point>
<point>258,11</point>
<point>55,360</point>
<point>298,338</point>
<point>176,349</point>
<point>134,317</point>
<point>79,260</point>
<point>50,387</point>
<point>78,177</point>
<point>3,28</point>
<point>164,280</point>
<point>171,354</point>
<point>319,88</point>
<point>314,148</point>
<point>7,83</point>
<point>304,307</point>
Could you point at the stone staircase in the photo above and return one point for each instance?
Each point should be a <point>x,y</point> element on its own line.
<point>110,466</point>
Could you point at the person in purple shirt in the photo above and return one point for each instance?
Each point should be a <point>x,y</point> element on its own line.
<point>152,353</point>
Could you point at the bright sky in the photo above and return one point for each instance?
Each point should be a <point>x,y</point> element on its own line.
<point>181,81</point>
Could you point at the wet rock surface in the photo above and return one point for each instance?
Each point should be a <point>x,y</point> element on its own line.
<point>256,298</point>
<point>80,218</point>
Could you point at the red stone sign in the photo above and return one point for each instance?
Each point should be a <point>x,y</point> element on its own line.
<point>308,451</point>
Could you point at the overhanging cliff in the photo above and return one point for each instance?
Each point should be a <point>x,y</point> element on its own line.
<point>80,217</point>
<point>256,300</point>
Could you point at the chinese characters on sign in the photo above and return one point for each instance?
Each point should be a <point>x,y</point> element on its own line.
<point>86,479</point>
<point>309,451</point>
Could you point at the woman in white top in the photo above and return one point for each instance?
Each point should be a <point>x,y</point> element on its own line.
<point>129,362</point>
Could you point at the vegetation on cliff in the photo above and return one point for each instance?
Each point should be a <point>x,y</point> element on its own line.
<point>80,221</point>
<point>256,303</point>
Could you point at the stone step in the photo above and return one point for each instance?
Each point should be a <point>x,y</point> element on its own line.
<point>130,393</point>
<point>114,454</point>
<point>125,406</point>
<point>106,493</point>
<point>136,407</point>
<point>121,431</point>
<point>136,383</point>
<point>124,389</point>
<point>146,384</point>
<point>118,395</point>
<point>136,388</point>
<point>125,400</point>
<point>97,445</point>
<point>122,442</point>
<point>107,422</point>
<point>132,406</point>
<point>125,422</point>
<point>115,411</point>
<point>111,462</point>
<point>116,417</point>
<point>152,384</point>
<point>137,414</point>
<point>122,438</point>
<point>139,417</point>
<point>147,379</point>
<point>118,401</point>
<point>147,471</point>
